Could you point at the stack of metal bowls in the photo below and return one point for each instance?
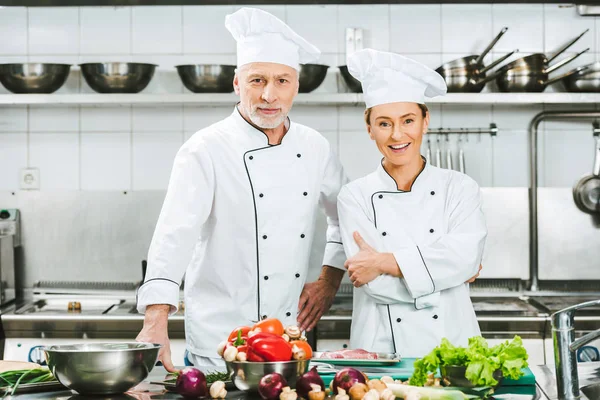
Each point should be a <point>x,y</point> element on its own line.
<point>207,78</point>
<point>33,77</point>
<point>101,368</point>
<point>246,375</point>
<point>311,77</point>
<point>353,84</point>
<point>117,77</point>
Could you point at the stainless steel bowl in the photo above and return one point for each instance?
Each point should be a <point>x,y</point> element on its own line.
<point>207,78</point>
<point>353,84</point>
<point>311,76</point>
<point>117,77</point>
<point>456,376</point>
<point>246,375</point>
<point>101,368</point>
<point>33,77</point>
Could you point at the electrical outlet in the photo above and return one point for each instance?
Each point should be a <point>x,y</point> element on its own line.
<point>30,179</point>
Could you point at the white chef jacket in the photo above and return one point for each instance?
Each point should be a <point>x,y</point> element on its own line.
<point>238,220</point>
<point>436,232</point>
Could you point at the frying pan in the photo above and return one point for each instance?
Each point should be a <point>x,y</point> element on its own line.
<point>586,192</point>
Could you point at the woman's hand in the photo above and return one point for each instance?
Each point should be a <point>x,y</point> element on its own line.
<point>368,263</point>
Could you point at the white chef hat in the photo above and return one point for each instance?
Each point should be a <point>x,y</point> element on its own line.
<point>262,37</point>
<point>391,78</point>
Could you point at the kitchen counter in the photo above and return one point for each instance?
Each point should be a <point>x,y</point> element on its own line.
<point>145,390</point>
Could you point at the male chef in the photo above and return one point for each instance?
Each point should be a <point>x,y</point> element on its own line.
<point>238,217</point>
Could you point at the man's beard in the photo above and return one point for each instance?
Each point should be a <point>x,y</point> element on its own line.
<point>266,122</point>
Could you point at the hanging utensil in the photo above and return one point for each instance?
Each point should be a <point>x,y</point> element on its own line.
<point>587,191</point>
<point>438,154</point>
<point>448,153</point>
<point>461,156</point>
<point>530,73</point>
<point>428,151</point>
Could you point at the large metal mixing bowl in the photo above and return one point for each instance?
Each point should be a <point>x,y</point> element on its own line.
<point>33,77</point>
<point>246,375</point>
<point>207,78</point>
<point>353,84</point>
<point>101,368</point>
<point>117,77</point>
<point>311,76</point>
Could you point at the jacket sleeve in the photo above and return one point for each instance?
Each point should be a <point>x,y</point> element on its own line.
<point>456,255</point>
<point>385,289</point>
<point>333,180</point>
<point>187,205</point>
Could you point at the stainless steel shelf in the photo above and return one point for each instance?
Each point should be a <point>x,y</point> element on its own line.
<point>325,99</point>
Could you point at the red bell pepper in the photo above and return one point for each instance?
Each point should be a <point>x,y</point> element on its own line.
<point>274,348</point>
<point>261,335</point>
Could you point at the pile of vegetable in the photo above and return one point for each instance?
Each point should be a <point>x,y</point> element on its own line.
<point>15,373</point>
<point>267,340</point>
<point>480,359</point>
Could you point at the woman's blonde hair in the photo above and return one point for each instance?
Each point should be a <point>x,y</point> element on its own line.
<point>423,108</point>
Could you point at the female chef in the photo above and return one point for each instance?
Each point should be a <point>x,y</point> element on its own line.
<point>413,233</point>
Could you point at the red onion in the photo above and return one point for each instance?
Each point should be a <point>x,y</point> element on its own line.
<point>303,383</point>
<point>191,383</point>
<point>347,377</point>
<point>271,386</point>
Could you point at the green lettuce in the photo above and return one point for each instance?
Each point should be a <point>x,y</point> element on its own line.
<point>480,359</point>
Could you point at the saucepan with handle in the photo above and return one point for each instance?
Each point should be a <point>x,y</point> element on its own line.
<point>586,192</point>
<point>468,74</point>
<point>530,73</point>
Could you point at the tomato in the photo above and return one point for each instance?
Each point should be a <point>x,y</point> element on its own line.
<point>271,325</point>
<point>301,344</point>
<point>234,333</point>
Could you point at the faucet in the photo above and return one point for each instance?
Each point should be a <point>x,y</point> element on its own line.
<point>565,347</point>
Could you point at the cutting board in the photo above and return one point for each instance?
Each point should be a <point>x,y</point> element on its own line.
<point>404,370</point>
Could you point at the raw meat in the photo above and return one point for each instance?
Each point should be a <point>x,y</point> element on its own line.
<point>356,354</point>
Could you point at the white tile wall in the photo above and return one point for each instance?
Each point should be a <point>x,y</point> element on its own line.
<point>109,148</point>
<point>105,161</point>
<point>56,155</point>
<point>157,30</point>
<point>13,157</point>
<point>13,25</point>
<point>153,155</point>
<point>95,38</point>
<point>53,30</point>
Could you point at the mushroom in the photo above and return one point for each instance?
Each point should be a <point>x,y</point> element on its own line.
<point>288,394</point>
<point>293,332</point>
<point>358,391</point>
<point>316,393</point>
<point>377,385</point>
<point>372,394</point>
<point>230,354</point>
<point>221,348</point>
<point>342,395</point>
<point>387,394</point>
<point>387,379</point>
<point>217,390</point>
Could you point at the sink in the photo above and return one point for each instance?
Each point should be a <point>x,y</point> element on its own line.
<point>592,392</point>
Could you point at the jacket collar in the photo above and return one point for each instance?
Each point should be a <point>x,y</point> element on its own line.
<point>388,183</point>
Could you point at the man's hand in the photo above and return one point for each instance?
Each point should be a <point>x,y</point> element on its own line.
<point>155,331</point>
<point>472,279</point>
<point>368,264</point>
<point>317,297</point>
